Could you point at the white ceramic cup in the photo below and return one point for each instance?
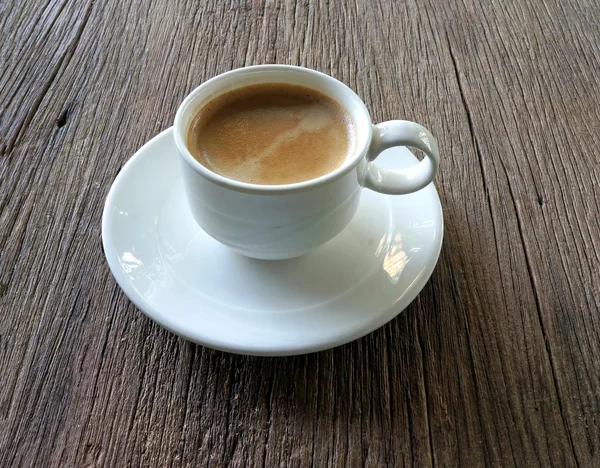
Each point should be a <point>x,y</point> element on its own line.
<point>285,221</point>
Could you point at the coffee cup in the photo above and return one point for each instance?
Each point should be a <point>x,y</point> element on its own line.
<point>274,222</point>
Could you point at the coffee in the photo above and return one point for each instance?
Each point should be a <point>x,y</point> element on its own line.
<point>272,133</point>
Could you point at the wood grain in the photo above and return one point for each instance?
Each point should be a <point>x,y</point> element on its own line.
<point>496,363</point>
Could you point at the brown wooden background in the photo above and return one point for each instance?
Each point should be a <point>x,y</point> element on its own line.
<point>497,362</point>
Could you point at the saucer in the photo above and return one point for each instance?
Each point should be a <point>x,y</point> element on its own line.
<point>201,290</point>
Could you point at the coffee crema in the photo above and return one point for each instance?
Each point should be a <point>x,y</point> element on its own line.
<point>271,134</point>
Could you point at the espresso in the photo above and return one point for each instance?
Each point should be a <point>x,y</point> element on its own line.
<point>272,133</point>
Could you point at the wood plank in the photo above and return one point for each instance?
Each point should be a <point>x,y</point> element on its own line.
<point>496,361</point>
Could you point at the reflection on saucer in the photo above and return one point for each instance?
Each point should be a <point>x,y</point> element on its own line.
<point>395,258</point>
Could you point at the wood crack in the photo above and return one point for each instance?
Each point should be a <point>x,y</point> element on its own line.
<point>227,453</point>
<point>97,375</point>
<point>521,234</point>
<point>269,405</point>
<point>425,385</point>
<point>187,398</point>
<point>21,246</point>
<point>60,65</point>
<point>316,421</point>
<point>465,104</point>
<point>540,317</point>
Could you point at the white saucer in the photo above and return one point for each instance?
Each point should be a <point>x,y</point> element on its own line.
<point>192,285</point>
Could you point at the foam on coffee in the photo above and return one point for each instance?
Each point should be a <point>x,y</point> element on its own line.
<point>272,133</point>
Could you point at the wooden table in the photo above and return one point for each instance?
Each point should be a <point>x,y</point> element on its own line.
<point>497,362</point>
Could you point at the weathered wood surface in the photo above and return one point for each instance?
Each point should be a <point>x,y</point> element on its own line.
<point>497,362</point>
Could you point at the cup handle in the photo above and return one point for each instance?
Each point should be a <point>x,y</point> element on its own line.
<point>397,182</point>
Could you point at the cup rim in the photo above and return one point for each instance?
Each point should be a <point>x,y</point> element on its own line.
<point>262,188</point>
